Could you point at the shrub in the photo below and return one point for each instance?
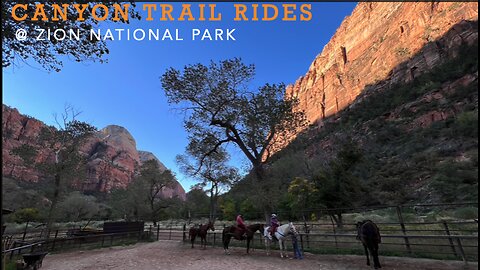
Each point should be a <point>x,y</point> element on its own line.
<point>466,213</point>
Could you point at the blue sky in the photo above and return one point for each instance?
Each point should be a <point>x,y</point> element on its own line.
<point>126,91</point>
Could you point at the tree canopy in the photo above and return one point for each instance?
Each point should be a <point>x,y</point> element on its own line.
<point>46,52</point>
<point>215,175</point>
<point>221,108</point>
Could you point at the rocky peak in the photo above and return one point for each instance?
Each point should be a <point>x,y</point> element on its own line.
<point>145,156</point>
<point>120,138</point>
<point>113,159</point>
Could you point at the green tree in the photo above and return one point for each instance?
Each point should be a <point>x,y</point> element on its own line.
<point>66,163</point>
<point>197,202</point>
<point>248,209</point>
<point>76,207</point>
<point>26,215</point>
<point>214,175</point>
<point>301,192</point>
<point>338,188</point>
<point>47,52</point>
<point>220,109</point>
<point>228,209</point>
<point>124,203</point>
<point>147,188</point>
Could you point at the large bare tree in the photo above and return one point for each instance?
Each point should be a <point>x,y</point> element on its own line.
<point>222,108</point>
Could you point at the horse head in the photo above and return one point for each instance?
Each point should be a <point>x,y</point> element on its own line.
<point>210,226</point>
<point>261,228</point>
<point>256,227</point>
<point>292,229</point>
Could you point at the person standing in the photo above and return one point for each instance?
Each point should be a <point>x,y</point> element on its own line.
<point>297,253</point>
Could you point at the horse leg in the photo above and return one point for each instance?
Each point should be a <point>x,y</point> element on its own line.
<point>192,240</point>
<point>285,249</point>
<point>267,247</point>
<point>376,262</point>
<point>281,247</point>
<point>225,245</point>
<point>366,253</point>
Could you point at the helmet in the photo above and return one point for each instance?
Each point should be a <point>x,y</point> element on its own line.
<point>274,216</point>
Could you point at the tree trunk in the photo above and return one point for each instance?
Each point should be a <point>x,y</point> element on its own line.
<point>266,204</point>
<point>213,207</point>
<point>51,211</point>
<point>337,217</point>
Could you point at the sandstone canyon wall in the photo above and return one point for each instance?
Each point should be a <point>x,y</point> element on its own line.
<point>390,42</point>
<point>113,158</point>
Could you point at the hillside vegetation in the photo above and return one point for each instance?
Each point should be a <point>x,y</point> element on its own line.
<point>410,143</point>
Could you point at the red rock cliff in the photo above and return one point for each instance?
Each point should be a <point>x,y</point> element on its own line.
<point>113,159</point>
<point>390,42</point>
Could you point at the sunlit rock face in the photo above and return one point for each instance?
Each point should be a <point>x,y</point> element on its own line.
<point>113,159</point>
<point>380,42</point>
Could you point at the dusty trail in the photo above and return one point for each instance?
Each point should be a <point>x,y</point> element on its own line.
<point>174,255</point>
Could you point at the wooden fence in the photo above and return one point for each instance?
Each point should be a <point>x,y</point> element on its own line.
<point>441,240</point>
<point>456,240</point>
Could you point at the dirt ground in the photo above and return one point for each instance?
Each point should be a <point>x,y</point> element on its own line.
<point>174,255</point>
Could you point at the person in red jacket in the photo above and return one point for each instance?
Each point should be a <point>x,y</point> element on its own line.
<point>241,226</point>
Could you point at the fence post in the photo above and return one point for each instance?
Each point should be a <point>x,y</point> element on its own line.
<point>14,246</point>
<point>25,232</point>
<point>402,224</point>
<point>184,232</point>
<point>462,252</point>
<point>53,243</point>
<point>301,241</point>
<point>449,238</point>
<point>158,232</point>
<point>306,230</point>
<point>334,234</point>
<point>170,233</point>
<point>214,238</point>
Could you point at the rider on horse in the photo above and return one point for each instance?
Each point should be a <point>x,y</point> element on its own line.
<point>274,224</point>
<point>241,226</point>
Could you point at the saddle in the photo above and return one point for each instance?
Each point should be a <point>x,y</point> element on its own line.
<point>240,231</point>
<point>272,231</point>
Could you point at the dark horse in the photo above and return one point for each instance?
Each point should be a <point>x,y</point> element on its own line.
<point>369,234</point>
<point>233,231</point>
<point>202,232</point>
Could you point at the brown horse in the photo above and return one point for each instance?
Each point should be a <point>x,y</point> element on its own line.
<point>233,231</point>
<point>369,234</point>
<point>202,232</point>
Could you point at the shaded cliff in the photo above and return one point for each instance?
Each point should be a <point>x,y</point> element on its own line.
<point>417,136</point>
<point>381,42</point>
<point>113,159</point>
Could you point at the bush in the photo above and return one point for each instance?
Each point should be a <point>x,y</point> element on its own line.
<point>466,213</point>
<point>466,124</point>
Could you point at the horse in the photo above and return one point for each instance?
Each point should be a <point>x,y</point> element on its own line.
<point>280,234</point>
<point>233,231</point>
<point>369,234</point>
<point>202,232</point>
